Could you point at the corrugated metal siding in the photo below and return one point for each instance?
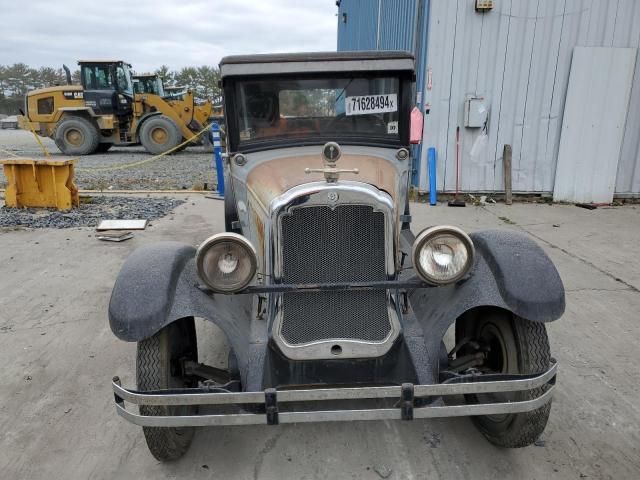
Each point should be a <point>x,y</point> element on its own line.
<point>398,22</point>
<point>518,56</point>
<point>377,25</point>
<point>628,34</point>
<point>360,31</point>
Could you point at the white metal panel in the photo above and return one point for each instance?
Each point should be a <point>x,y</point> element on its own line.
<point>593,125</point>
<point>518,56</point>
<point>540,122</point>
<point>628,33</point>
<point>441,38</point>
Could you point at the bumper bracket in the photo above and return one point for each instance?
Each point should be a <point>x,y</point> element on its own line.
<point>407,394</point>
<point>271,406</point>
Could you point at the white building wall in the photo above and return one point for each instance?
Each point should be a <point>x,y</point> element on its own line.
<point>518,57</point>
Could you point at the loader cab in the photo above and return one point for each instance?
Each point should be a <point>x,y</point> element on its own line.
<point>148,84</point>
<point>108,86</point>
<point>175,93</point>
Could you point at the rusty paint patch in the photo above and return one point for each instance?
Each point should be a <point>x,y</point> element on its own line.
<point>259,226</point>
<point>271,179</point>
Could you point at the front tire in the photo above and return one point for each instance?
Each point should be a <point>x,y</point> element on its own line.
<point>159,134</point>
<point>76,136</point>
<point>158,368</point>
<point>515,346</point>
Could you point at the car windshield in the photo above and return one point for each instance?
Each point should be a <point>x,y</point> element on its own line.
<point>341,107</point>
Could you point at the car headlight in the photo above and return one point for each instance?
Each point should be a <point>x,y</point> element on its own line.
<point>442,254</point>
<point>226,262</point>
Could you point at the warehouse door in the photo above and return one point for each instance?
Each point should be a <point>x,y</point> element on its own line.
<point>593,125</point>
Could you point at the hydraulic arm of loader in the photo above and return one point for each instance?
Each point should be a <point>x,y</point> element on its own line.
<point>183,116</point>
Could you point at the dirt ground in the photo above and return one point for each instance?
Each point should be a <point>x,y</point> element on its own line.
<point>57,357</point>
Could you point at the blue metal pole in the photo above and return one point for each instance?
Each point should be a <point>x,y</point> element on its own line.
<point>433,193</point>
<point>217,156</point>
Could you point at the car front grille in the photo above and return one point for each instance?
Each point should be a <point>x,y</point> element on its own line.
<point>333,245</point>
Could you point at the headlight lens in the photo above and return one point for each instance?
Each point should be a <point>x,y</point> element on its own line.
<point>226,262</point>
<point>442,254</point>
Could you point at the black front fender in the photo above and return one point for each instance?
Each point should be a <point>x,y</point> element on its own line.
<point>510,272</point>
<point>526,279</point>
<point>144,291</point>
<point>158,284</point>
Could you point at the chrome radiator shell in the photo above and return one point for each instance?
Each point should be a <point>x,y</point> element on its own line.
<point>324,233</point>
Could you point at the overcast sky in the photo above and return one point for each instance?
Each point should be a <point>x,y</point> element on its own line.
<point>149,33</point>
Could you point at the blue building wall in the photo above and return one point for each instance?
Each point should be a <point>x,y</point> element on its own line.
<point>357,25</point>
<point>397,25</point>
<point>378,24</point>
<point>387,25</point>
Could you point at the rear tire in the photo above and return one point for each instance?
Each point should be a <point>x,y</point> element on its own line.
<point>76,136</point>
<point>159,134</point>
<point>157,368</point>
<point>518,346</point>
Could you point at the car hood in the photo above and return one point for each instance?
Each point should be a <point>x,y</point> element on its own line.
<point>270,179</point>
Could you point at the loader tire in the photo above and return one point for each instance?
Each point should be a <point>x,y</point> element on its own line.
<point>518,346</point>
<point>159,134</point>
<point>76,136</point>
<point>157,368</point>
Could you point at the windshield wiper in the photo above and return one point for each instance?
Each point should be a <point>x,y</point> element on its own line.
<point>344,89</point>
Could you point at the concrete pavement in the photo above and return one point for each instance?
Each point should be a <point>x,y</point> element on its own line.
<point>57,356</point>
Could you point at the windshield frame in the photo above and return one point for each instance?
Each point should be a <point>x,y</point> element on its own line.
<point>405,99</point>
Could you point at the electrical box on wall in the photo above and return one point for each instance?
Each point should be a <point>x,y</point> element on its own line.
<point>484,5</point>
<point>476,112</point>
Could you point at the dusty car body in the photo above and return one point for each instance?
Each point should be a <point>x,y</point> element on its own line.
<point>334,310</point>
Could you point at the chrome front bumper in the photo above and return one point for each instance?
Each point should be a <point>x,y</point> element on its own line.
<point>271,400</point>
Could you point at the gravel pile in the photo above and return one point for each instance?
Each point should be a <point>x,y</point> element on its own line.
<point>89,214</point>
<point>190,169</point>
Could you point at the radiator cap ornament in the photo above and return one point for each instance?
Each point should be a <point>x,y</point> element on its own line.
<point>331,152</point>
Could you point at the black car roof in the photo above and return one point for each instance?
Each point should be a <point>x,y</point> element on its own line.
<point>316,62</point>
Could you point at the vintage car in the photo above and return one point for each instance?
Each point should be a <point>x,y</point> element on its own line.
<point>333,309</point>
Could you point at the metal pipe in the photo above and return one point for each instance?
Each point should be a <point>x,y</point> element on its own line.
<point>433,194</point>
<point>67,74</point>
<point>217,155</point>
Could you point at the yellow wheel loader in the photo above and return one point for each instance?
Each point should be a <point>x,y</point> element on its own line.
<point>182,99</point>
<point>104,111</point>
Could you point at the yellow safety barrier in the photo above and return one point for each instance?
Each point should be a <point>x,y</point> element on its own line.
<point>40,183</point>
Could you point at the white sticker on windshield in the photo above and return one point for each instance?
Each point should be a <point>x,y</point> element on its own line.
<point>392,127</point>
<point>367,104</point>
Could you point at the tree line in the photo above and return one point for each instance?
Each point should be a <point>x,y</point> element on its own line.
<point>17,79</point>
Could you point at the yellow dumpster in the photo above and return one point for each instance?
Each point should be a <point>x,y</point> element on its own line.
<point>40,183</point>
